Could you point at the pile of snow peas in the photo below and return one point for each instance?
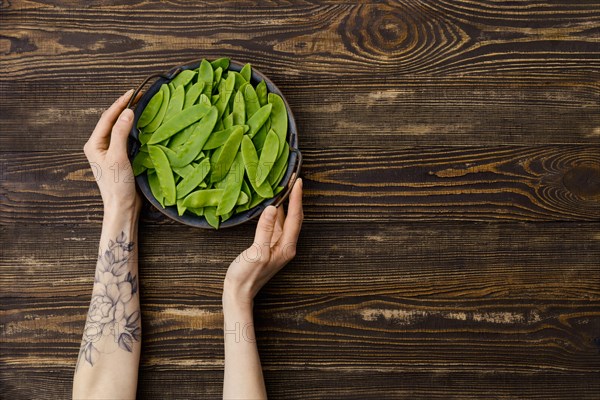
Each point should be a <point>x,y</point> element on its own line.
<point>213,144</point>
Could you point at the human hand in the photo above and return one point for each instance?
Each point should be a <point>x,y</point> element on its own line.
<point>274,246</point>
<point>106,151</point>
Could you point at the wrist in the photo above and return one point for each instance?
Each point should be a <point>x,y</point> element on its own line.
<point>235,300</point>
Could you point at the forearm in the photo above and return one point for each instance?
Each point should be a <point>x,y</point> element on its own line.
<point>243,371</point>
<point>107,366</point>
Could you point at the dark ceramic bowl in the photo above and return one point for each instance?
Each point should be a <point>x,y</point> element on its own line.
<point>294,161</point>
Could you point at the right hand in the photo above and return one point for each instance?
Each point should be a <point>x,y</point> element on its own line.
<point>274,246</point>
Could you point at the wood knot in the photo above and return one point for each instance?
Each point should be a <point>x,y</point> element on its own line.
<point>583,181</point>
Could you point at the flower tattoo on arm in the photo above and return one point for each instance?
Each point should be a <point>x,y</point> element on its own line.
<point>112,315</point>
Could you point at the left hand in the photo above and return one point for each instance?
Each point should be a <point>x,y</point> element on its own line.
<point>106,150</point>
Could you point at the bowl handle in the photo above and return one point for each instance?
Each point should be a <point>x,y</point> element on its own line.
<point>168,76</point>
<point>292,182</point>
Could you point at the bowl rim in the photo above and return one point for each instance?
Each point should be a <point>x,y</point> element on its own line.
<point>289,178</point>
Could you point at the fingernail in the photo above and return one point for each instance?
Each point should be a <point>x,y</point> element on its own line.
<point>270,211</point>
<point>300,182</point>
<point>126,115</point>
<point>128,93</point>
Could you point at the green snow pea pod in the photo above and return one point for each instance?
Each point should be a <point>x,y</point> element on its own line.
<point>183,171</point>
<point>252,105</point>
<point>192,94</point>
<point>183,78</point>
<point>225,159</point>
<point>175,104</point>
<point>205,74</point>
<point>233,186</point>
<point>211,217</point>
<point>239,79</point>
<point>151,109</point>
<point>259,138</point>
<point>203,198</point>
<point>198,211</point>
<point>277,190</point>
<point>279,118</point>
<point>228,121</point>
<point>179,121</point>
<point>200,156</point>
<point>217,78</point>
<point>261,92</point>
<point>280,166</point>
<point>171,87</point>
<point>138,163</point>
<point>155,188</point>
<point>143,137</point>
<point>218,138</point>
<point>158,119</point>
<point>222,63</point>
<point>215,155</point>
<point>214,98</point>
<point>192,180</point>
<point>190,149</point>
<point>204,100</point>
<point>225,217</point>
<point>180,207</point>
<point>239,109</point>
<point>182,136</point>
<point>251,165</point>
<point>246,72</point>
<point>164,173</point>
<point>224,94</point>
<point>246,190</point>
<point>258,119</point>
<point>243,198</point>
<point>268,156</point>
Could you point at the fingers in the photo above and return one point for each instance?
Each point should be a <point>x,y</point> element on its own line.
<point>293,223</point>
<point>265,229</point>
<point>120,133</point>
<point>100,138</point>
<point>278,226</point>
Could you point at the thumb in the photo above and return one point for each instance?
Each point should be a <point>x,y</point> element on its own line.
<point>120,133</point>
<point>265,228</point>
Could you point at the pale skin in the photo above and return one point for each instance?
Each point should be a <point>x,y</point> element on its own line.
<point>108,361</point>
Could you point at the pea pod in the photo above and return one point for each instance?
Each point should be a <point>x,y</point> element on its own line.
<point>205,74</point>
<point>258,119</point>
<point>267,157</point>
<point>280,166</point>
<point>155,188</point>
<point>204,100</point>
<point>193,179</point>
<point>261,92</point>
<point>158,119</point>
<point>251,165</point>
<point>211,217</point>
<point>182,136</point>
<point>198,211</point>
<point>164,173</point>
<point>175,104</point>
<point>279,118</point>
<point>190,149</point>
<point>225,92</point>
<point>259,138</point>
<point>220,168</point>
<point>239,109</point>
<point>218,138</point>
<point>233,186</point>
<point>222,63</point>
<point>193,94</point>
<point>183,171</point>
<point>180,207</point>
<point>251,100</point>
<point>217,74</point>
<point>246,72</point>
<point>183,78</point>
<point>151,109</point>
<point>203,198</point>
<point>239,79</point>
<point>181,120</point>
<point>138,163</point>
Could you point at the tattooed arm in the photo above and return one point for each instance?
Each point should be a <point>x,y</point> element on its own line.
<point>107,365</point>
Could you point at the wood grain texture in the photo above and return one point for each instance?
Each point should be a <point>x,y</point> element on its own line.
<point>518,301</point>
<point>452,197</point>
<point>480,184</point>
<point>404,72</point>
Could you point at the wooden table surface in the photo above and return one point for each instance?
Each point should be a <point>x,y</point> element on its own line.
<point>451,245</point>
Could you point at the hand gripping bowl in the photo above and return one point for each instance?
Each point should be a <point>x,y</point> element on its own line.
<point>294,161</point>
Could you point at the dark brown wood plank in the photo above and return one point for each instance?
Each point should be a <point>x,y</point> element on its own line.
<point>434,183</point>
<point>396,73</point>
<point>509,307</point>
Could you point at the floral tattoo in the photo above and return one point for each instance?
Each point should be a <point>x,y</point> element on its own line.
<point>112,314</point>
